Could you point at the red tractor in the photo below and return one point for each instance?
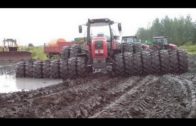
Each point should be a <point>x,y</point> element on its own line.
<point>99,49</point>
<point>103,52</point>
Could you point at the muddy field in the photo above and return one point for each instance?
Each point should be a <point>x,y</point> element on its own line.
<point>168,96</point>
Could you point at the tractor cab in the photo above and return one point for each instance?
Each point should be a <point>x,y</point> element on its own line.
<point>161,42</point>
<point>10,45</point>
<point>130,39</point>
<point>102,40</point>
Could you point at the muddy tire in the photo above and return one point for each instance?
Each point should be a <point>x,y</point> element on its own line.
<point>118,67</point>
<point>137,48</point>
<point>77,67</point>
<point>137,64</point>
<point>128,63</point>
<point>164,61</point>
<point>66,53</point>
<point>54,69</point>
<point>182,61</point>
<point>173,61</point>
<point>127,48</point>
<point>46,69</point>
<point>37,69</point>
<point>74,50</point>
<point>20,69</point>
<point>155,63</point>
<point>64,69</point>
<point>146,64</point>
<point>29,68</point>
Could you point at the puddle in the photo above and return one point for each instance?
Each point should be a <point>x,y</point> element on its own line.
<point>9,83</point>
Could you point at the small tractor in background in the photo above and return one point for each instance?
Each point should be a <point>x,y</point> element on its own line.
<point>161,42</point>
<point>103,53</point>
<point>10,53</point>
<point>134,43</point>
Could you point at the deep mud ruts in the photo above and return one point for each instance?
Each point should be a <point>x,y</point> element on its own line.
<point>167,96</point>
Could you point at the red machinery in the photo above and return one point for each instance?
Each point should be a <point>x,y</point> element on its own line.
<point>56,48</point>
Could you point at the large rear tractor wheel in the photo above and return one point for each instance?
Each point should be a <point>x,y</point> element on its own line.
<point>66,53</point>
<point>64,69</point>
<point>20,69</point>
<point>46,69</point>
<point>146,64</point>
<point>77,67</point>
<point>137,48</point>
<point>37,69</point>
<point>137,64</point>
<point>118,66</point>
<point>155,63</point>
<point>164,61</point>
<point>55,69</point>
<point>128,63</point>
<point>173,61</point>
<point>29,68</point>
<point>74,50</point>
<point>126,48</point>
<point>182,61</point>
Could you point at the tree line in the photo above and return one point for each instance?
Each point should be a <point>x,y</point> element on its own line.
<point>178,30</point>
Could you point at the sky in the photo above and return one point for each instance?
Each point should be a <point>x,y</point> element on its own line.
<point>41,25</point>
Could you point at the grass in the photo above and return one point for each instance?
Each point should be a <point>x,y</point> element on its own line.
<point>37,52</point>
<point>191,49</point>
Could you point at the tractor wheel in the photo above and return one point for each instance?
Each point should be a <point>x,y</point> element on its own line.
<point>29,68</point>
<point>77,67</point>
<point>173,61</point>
<point>182,61</point>
<point>46,69</point>
<point>20,69</point>
<point>127,48</point>
<point>54,69</point>
<point>146,64</point>
<point>37,69</point>
<point>64,69</point>
<point>118,67</point>
<point>81,66</point>
<point>155,62</point>
<point>74,50</point>
<point>128,63</point>
<point>137,48</point>
<point>66,53</point>
<point>137,64</point>
<point>164,61</point>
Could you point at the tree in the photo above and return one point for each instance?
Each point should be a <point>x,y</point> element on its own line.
<point>179,31</point>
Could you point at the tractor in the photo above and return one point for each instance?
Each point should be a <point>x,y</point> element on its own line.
<point>161,42</point>
<point>102,52</point>
<point>134,43</point>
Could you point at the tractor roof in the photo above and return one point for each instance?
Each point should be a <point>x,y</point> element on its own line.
<point>101,21</point>
<point>129,36</point>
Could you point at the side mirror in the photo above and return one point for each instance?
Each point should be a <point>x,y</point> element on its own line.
<point>80,29</point>
<point>119,27</point>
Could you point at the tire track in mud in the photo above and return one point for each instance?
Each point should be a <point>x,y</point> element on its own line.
<point>191,93</point>
<point>75,96</point>
<point>65,97</point>
<point>145,81</point>
<point>89,106</point>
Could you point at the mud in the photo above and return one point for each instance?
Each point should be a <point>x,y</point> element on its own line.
<point>168,96</point>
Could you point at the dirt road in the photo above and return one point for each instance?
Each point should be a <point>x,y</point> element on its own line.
<point>168,96</point>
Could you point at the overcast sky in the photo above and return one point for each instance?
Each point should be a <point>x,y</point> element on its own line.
<point>40,26</point>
